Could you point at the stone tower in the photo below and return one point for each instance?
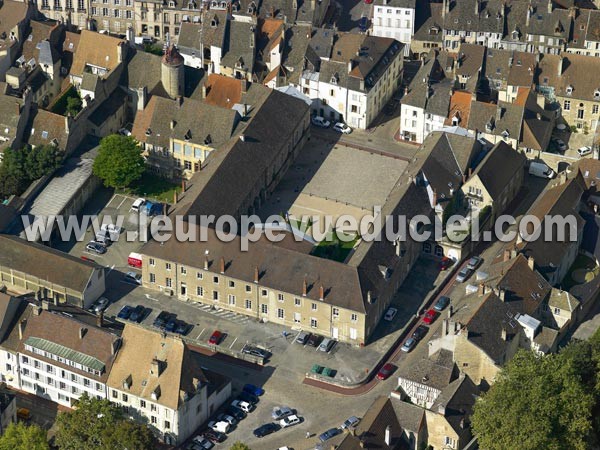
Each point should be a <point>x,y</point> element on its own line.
<point>172,72</point>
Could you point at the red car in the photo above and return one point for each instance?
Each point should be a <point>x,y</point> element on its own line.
<point>215,338</point>
<point>430,316</point>
<point>445,263</point>
<point>368,2</point>
<point>385,372</point>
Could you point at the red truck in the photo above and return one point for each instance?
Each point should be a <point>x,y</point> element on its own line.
<point>135,260</point>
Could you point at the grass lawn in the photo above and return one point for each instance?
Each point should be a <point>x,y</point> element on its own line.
<point>333,248</point>
<point>153,187</point>
<point>581,262</point>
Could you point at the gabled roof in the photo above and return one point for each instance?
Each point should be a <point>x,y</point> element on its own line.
<point>460,109</point>
<point>12,14</point>
<point>578,75</point>
<point>497,119</point>
<point>46,128</point>
<point>96,49</point>
<point>179,371</point>
<point>498,168</point>
<point>223,91</point>
<point>240,45</point>
<point>436,371</point>
<point>457,401</point>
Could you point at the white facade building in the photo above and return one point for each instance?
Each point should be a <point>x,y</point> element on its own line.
<point>395,19</point>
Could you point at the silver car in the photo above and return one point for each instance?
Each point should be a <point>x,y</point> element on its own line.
<point>281,412</point>
<point>463,274</point>
<point>100,305</point>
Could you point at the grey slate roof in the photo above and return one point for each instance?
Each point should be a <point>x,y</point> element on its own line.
<point>457,401</point>
<point>555,24</point>
<point>429,22</point>
<point>485,114</point>
<point>436,371</point>
<point>238,45</point>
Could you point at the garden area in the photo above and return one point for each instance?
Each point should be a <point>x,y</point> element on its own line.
<point>583,270</point>
<point>152,187</point>
<point>334,248</point>
<point>68,103</point>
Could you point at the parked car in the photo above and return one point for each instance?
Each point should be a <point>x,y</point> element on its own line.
<point>248,397</point>
<point>182,327</point>
<point>222,427</point>
<point>441,304</point>
<point>329,434</point>
<point>95,247</point>
<point>227,418</point>
<point>254,390</point>
<point>326,345</point>
<point>203,443</point>
<point>420,332</point>
<point>161,319</point>
<point>474,262</point>
<point>280,412</point>
<point>266,429</point>
<point>560,144</point>
<point>125,312</point>
<point>341,127</point>
<point>390,314</point>
<point>215,338</point>
<point>350,422</point>
<point>390,108</point>
<point>214,436</point>
<point>137,204</point>
<point>138,313</point>
<point>408,345</point>
<point>314,340</point>
<point>103,237</point>
<point>255,351</point>
<point>363,24</point>
<point>463,275</point>
<point>368,2</point>
<point>445,263</point>
<point>320,122</point>
<point>171,325</point>
<point>133,278</point>
<point>237,413</point>
<point>430,316</point>
<point>244,406</point>
<point>100,305</point>
<point>125,132</point>
<point>302,337</point>
<point>583,151</point>
<point>385,371</point>
<point>289,421</point>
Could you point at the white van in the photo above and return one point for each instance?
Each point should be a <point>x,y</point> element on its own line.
<point>540,169</point>
<point>137,204</point>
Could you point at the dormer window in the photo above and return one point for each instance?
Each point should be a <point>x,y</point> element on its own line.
<point>148,131</point>
<point>597,94</point>
<point>505,134</point>
<point>171,4</point>
<point>214,22</point>
<point>191,5</point>
<point>188,135</point>
<point>334,79</point>
<point>213,4</point>
<point>569,90</point>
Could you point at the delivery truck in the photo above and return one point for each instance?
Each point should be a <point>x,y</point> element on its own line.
<point>135,260</point>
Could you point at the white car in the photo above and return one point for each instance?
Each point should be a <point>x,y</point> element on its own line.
<point>351,422</point>
<point>222,427</point>
<point>227,418</point>
<point>133,278</point>
<point>111,228</point>
<point>244,406</point>
<point>390,314</point>
<point>320,122</point>
<point>137,204</point>
<point>100,305</point>
<point>289,421</point>
<point>342,128</point>
<point>125,132</point>
<point>584,150</point>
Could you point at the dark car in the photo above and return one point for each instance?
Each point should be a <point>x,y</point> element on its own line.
<point>95,247</point>
<point>314,340</point>
<point>420,332</point>
<point>182,328</point>
<point>137,315</point>
<point>266,429</point>
<point>236,412</point>
<point>254,390</point>
<point>363,24</point>
<point>161,319</point>
<point>214,436</point>
<point>385,372</point>
<point>390,108</point>
<point>248,397</point>
<point>255,351</point>
<point>445,263</point>
<point>329,434</point>
<point>171,325</point>
<point>125,312</point>
<point>441,304</point>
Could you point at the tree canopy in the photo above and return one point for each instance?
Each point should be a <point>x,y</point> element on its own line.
<point>550,402</point>
<point>239,446</point>
<point>100,425</point>
<point>19,436</point>
<point>20,167</point>
<point>119,162</point>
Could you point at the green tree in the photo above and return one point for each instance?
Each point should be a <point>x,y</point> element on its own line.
<point>239,446</point>
<point>100,425</point>
<point>119,162</point>
<point>539,402</point>
<point>42,160</point>
<point>13,174</point>
<point>74,105</point>
<point>19,436</point>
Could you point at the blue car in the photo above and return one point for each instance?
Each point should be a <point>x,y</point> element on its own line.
<point>254,390</point>
<point>137,315</point>
<point>363,24</point>
<point>329,434</point>
<point>125,312</point>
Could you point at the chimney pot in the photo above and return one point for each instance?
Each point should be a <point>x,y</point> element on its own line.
<point>205,262</point>
<point>21,329</point>
<point>321,293</point>
<point>222,265</point>
<point>531,262</point>
<point>388,436</point>
<point>100,319</point>
<point>256,274</point>
<point>304,288</point>
<point>506,255</point>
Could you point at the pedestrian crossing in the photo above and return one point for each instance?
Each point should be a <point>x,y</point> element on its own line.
<point>223,313</point>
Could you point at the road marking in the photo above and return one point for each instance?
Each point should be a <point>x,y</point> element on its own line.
<point>200,334</point>
<point>113,197</point>
<point>95,255</point>
<point>147,295</point>
<point>111,269</point>
<point>233,342</point>
<point>122,201</point>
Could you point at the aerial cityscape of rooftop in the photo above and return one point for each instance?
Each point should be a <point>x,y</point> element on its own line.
<point>299,224</point>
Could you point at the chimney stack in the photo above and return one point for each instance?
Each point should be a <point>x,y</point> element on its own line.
<point>175,197</point>
<point>444,327</point>
<point>205,262</point>
<point>502,294</point>
<point>21,329</point>
<point>183,186</point>
<point>173,123</point>
<point>369,298</point>
<point>304,288</point>
<point>560,66</point>
<point>204,91</point>
<point>503,334</point>
<point>82,332</point>
<point>222,265</point>
<point>155,367</point>
<point>529,14</point>
<point>18,111</point>
<point>549,6</point>
<point>100,319</point>
<point>67,123</point>
<point>321,293</point>
<point>388,436</point>
<point>481,289</point>
<point>506,255</point>
<point>434,198</point>
<point>531,263</point>
<point>256,274</point>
